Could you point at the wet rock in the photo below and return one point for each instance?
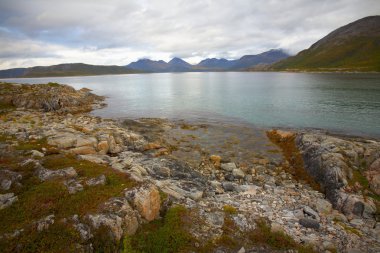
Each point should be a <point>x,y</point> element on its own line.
<point>100,180</point>
<point>44,223</point>
<point>229,167</point>
<point>45,174</point>
<point>7,200</point>
<point>309,223</point>
<point>146,199</point>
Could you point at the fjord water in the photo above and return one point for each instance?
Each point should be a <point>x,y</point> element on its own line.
<point>347,103</point>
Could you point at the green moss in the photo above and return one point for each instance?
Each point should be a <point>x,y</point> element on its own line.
<point>349,229</point>
<point>229,209</point>
<point>162,236</point>
<point>358,177</point>
<point>33,145</point>
<point>59,237</point>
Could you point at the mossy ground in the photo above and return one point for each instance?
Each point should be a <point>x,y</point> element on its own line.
<point>38,199</point>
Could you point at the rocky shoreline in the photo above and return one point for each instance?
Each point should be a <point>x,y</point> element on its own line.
<point>128,178</point>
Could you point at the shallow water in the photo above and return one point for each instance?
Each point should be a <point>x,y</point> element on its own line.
<point>347,103</point>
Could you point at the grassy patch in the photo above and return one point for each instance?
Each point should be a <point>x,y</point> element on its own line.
<point>39,199</point>
<point>229,209</point>
<point>33,145</point>
<point>59,237</point>
<point>349,229</point>
<point>161,236</point>
<point>294,157</point>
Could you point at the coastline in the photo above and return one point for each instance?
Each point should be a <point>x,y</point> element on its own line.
<point>217,173</point>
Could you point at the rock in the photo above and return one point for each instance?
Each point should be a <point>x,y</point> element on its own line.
<point>113,147</point>
<point>357,222</point>
<point>63,141</point>
<point>229,177</point>
<point>373,176</point>
<point>238,173</point>
<point>241,250</point>
<point>36,153</point>
<point>45,174</point>
<point>73,186</point>
<point>228,166</point>
<point>163,171</point>
<point>215,159</point>
<point>299,214</point>
<point>84,231</point>
<point>307,210</point>
<point>83,150</point>
<point>44,223</point>
<point>7,200</point>
<point>86,141</point>
<point>228,187</point>
<point>94,159</point>
<point>103,147</point>
<point>9,178</point>
<point>322,206</point>
<point>146,199</point>
<point>275,227</point>
<point>111,221</point>
<point>100,180</point>
<point>309,223</point>
<point>121,207</point>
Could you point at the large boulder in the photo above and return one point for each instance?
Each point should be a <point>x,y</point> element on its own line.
<point>373,176</point>
<point>146,200</point>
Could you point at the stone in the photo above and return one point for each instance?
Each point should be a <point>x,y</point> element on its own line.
<point>73,186</point>
<point>86,141</point>
<point>7,200</point>
<point>309,211</point>
<point>309,223</point>
<point>103,147</point>
<point>83,150</point>
<point>84,231</point>
<point>36,153</point>
<point>63,141</point>
<point>146,199</point>
<point>100,180</point>
<point>373,176</point>
<point>163,171</point>
<point>111,221</point>
<point>229,177</point>
<point>228,166</point>
<point>45,174</point>
<point>322,206</point>
<point>228,187</point>
<point>299,214</point>
<point>9,178</point>
<point>45,222</point>
<point>94,159</point>
<point>113,147</point>
<point>357,222</point>
<point>238,173</point>
<point>275,227</point>
<point>241,250</point>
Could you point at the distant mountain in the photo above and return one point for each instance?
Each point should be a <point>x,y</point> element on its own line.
<point>69,69</point>
<point>269,57</point>
<point>353,47</point>
<point>216,64</point>
<point>175,65</point>
<point>245,62</point>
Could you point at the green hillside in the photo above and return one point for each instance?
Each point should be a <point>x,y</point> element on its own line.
<point>354,47</point>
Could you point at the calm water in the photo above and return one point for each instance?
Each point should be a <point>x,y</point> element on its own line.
<point>348,103</point>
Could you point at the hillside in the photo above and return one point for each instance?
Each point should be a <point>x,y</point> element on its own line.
<point>70,69</point>
<point>353,47</point>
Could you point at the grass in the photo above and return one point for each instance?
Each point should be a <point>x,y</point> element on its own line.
<point>39,199</point>
<point>162,236</point>
<point>349,229</point>
<point>229,209</point>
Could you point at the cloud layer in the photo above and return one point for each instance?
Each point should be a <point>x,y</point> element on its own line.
<point>43,32</point>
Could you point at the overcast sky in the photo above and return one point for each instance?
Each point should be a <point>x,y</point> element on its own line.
<point>45,32</point>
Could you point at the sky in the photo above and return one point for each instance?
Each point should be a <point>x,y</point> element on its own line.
<point>117,32</point>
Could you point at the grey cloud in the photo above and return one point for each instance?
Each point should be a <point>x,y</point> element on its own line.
<point>196,28</point>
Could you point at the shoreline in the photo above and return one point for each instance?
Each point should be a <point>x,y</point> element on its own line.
<point>231,183</point>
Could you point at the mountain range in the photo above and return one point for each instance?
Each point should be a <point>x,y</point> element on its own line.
<point>209,64</point>
<point>353,47</point>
